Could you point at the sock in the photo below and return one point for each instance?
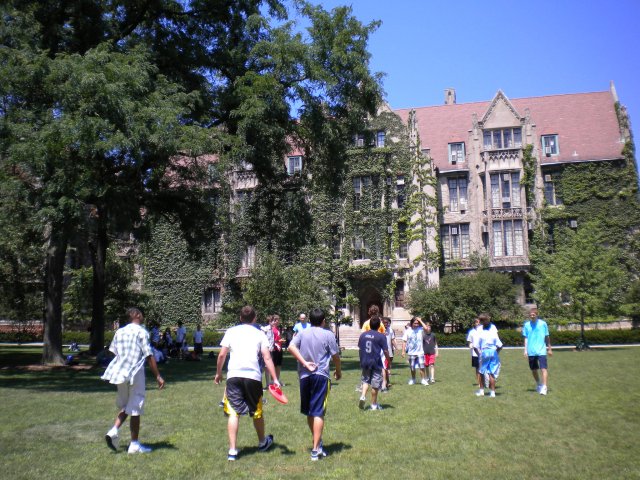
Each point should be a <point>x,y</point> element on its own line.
<point>233,451</point>
<point>113,432</point>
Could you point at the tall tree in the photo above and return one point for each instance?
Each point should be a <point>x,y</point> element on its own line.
<point>584,277</point>
<point>99,96</point>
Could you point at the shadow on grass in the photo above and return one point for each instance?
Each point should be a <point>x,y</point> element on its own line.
<point>336,447</point>
<point>15,372</point>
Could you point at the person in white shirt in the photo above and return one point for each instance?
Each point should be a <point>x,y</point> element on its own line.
<point>181,337</point>
<point>475,360</point>
<point>198,337</point>
<point>243,393</point>
<point>488,348</point>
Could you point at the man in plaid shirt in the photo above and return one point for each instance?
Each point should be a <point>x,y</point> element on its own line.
<point>131,348</point>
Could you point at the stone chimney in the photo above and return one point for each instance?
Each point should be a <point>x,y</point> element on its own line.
<point>449,96</point>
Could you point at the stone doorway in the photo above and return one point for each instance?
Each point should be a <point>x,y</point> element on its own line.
<point>369,296</point>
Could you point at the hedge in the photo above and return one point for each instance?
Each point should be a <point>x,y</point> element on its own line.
<point>513,338</point>
<point>211,337</point>
<point>510,338</point>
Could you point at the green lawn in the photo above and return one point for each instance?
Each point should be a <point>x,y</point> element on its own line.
<point>53,424</point>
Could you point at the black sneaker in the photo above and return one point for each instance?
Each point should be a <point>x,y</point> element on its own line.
<point>267,443</point>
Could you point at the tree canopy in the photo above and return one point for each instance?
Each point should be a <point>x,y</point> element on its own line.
<point>99,99</point>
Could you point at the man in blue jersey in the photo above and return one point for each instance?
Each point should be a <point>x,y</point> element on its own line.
<point>372,345</point>
<point>314,347</point>
<point>537,346</point>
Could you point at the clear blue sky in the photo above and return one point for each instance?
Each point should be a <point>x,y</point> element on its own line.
<point>527,49</point>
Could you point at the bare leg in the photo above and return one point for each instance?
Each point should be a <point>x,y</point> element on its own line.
<point>545,375</point>
<point>432,372</point>
<point>536,376</point>
<point>365,389</point>
<point>374,396</point>
<point>134,424</point>
<point>120,418</point>
<point>316,425</point>
<point>258,424</point>
<point>232,430</point>
<point>423,373</point>
<point>492,383</point>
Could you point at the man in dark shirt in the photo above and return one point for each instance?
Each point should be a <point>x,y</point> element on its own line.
<point>373,348</point>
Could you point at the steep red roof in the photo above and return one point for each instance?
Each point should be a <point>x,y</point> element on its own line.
<point>585,122</point>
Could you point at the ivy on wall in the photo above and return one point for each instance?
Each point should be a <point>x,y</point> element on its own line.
<point>300,219</point>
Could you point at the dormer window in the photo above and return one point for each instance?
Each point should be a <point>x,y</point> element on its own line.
<point>294,164</point>
<point>550,145</point>
<point>502,138</point>
<point>456,153</point>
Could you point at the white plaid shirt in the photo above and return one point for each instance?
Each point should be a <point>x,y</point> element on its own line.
<point>131,347</point>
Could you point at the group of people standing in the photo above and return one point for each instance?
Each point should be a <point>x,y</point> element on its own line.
<point>485,345</point>
<point>251,349</point>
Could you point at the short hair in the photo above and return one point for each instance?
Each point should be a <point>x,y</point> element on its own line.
<point>374,323</point>
<point>133,311</point>
<point>247,314</point>
<point>316,316</point>
<point>427,322</point>
<point>373,310</point>
<point>413,319</point>
<point>386,319</point>
<point>484,316</point>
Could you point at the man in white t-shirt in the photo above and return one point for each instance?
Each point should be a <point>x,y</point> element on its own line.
<point>243,394</point>
<point>472,339</point>
<point>181,337</point>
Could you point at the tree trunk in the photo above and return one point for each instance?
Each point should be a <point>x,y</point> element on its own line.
<point>98,260</point>
<point>54,276</point>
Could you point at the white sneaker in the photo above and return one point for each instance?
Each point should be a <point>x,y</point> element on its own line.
<point>412,382</point>
<point>492,394</point>
<point>113,440</point>
<point>138,448</point>
<point>424,381</point>
<point>376,407</point>
<point>543,390</point>
<point>538,387</point>
<point>480,392</point>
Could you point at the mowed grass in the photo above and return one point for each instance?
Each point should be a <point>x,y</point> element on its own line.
<point>53,424</point>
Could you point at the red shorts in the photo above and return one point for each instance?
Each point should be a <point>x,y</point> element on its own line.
<point>429,359</point>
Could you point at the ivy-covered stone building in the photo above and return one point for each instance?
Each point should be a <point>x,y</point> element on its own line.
<point>424,191</point>
<point>513,173</point>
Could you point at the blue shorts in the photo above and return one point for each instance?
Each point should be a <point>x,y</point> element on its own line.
<point>537,362</point>
<point>314,393</point>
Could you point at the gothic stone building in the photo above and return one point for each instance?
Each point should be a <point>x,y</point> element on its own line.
<point>431,189</point>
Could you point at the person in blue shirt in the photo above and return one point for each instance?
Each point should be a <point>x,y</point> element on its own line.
<point>537,346</point>
<point>372,345</point>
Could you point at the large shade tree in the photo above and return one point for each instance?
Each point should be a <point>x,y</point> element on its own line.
<point>583,277</point>
<point>98,97</point>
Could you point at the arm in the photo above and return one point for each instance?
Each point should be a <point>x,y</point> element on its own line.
<point>525,347</point>
<point>298,356</point>
<point>222,356</point>
<point>336,361</point>
<point>268,363</point>
<point>404,347</point>
<point>437,348</point>
<point>548,342</point>
<point>154,369</point>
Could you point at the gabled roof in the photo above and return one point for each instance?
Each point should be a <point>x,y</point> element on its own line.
<point>585,122</point>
